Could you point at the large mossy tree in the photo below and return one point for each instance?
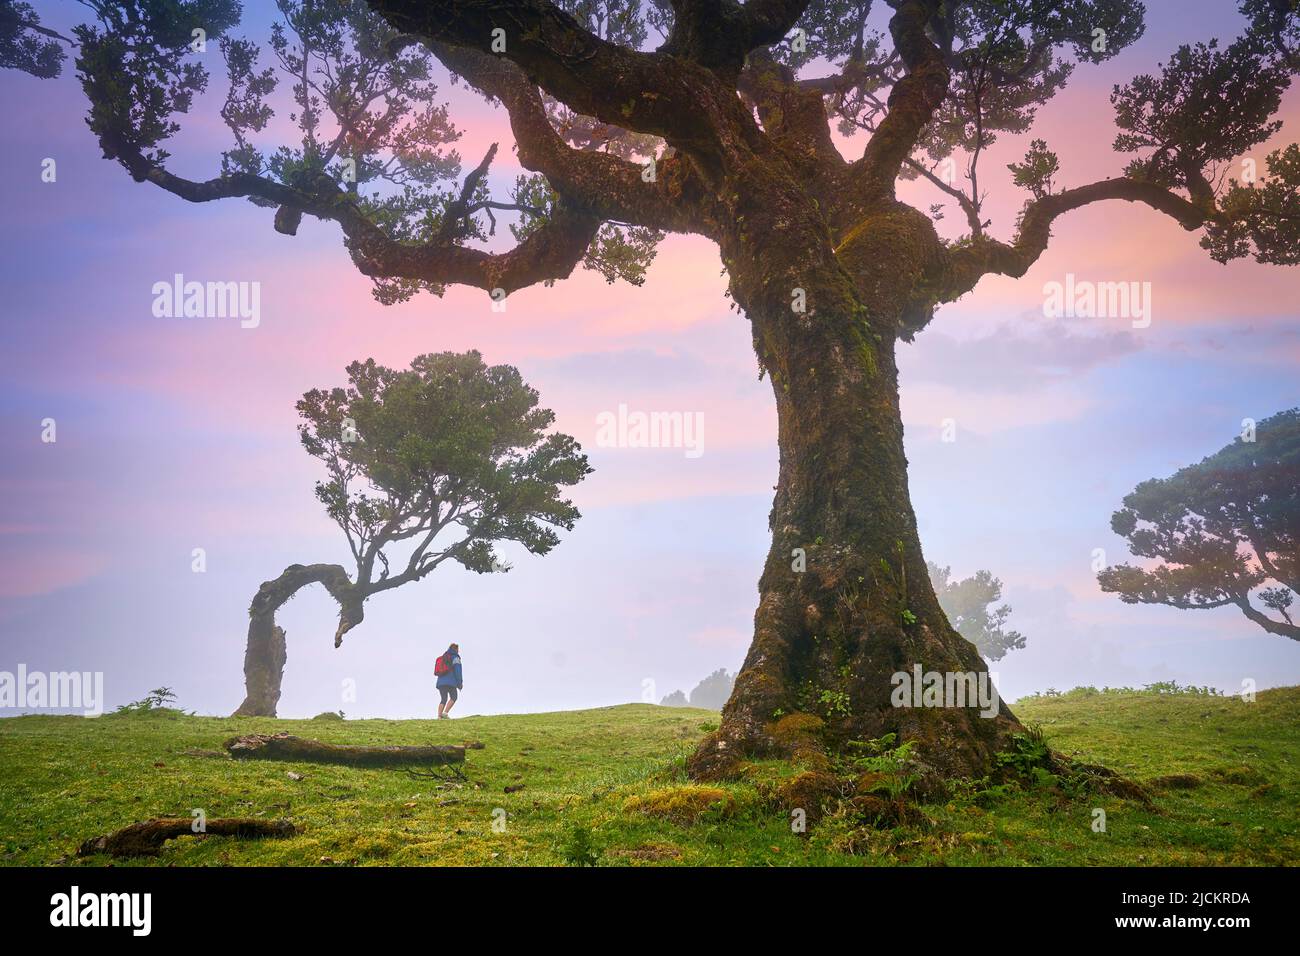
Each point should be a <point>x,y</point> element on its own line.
<point>715,118</point>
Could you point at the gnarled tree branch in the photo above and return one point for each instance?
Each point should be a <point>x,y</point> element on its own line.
<point>550,252</point>
<point>612,188</point>
<point>647,92</point>
<point>913,100</point>
<point>969,263</point>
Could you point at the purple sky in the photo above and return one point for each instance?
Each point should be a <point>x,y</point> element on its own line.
<point>175,434</point>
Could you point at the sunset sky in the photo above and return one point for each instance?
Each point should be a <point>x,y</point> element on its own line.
<point>175,434</point>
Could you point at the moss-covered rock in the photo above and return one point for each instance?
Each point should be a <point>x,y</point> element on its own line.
<point>798,737</point>
<point>682,805</point>
<point>812,791</point>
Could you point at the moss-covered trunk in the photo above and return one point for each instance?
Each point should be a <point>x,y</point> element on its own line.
<point>264,657</point>
<point>266,651</point>
<point>845,602</point>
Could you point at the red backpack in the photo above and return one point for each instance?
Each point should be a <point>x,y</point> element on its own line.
<point>442,665</point>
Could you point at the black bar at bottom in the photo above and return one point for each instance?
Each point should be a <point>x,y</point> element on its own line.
<point>300,906</point>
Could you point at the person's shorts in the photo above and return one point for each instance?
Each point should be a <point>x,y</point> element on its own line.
<point>447,692</point>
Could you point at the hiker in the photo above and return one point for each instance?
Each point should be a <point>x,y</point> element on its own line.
<point>450,679</point>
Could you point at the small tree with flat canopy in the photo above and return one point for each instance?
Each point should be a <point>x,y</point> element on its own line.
<point>450,445</point>
<point>1222,533</point>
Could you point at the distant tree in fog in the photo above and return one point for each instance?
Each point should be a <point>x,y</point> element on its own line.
<point>969,604</point>
<point>710,693</point>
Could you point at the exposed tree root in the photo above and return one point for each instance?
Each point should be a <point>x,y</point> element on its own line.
<point>145,839</point>
<point>288,747</point>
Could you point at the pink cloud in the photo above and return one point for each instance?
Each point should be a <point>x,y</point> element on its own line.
<point>43,569</point>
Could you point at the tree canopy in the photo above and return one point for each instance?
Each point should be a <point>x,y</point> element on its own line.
<point>449,443</point>
<point>596,91</point>
<point>1224,532</point>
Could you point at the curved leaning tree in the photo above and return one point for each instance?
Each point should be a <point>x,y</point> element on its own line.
<point>715,117</point>
<point>436,462</point>
<point>1221,533</point>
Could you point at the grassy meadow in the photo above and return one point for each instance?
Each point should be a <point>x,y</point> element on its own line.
<point>608,787</point>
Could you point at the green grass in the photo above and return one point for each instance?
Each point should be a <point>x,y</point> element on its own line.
<point>69,778</point>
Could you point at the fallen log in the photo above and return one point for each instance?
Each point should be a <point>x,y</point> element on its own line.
<point>145,839</point>
<point>288,747</point>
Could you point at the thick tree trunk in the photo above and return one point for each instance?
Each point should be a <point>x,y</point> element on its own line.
<point>264,656</point>
<point>845,602</point>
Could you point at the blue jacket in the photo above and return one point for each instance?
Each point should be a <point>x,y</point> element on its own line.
<point>454,677</point>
